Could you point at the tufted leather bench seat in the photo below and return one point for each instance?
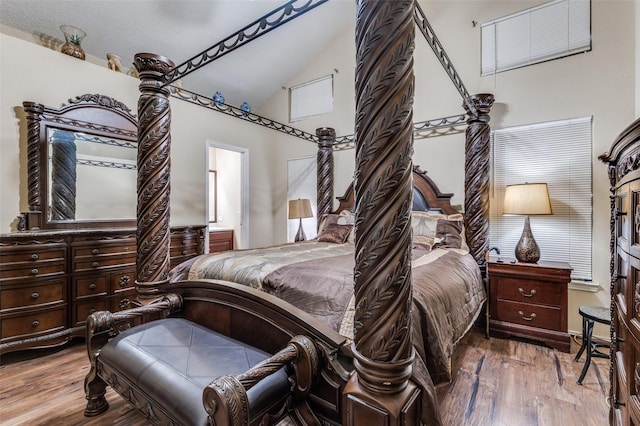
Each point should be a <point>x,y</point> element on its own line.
<point>170,361</point>
<point>210,352</point>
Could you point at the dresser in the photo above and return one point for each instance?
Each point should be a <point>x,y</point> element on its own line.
<point>50,281</point>
<point>623,159</point>
<point>220,240</point>
<point>529,300</point>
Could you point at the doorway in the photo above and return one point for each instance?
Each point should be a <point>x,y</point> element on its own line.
<point>228,191</point>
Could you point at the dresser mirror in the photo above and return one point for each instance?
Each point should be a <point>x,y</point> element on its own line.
<point>82,165</point>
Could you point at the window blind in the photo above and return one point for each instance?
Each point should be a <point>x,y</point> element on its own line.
<point>560,154</point>
<point>311,99</point>
<point>301,183</point>
<point>552,30</point>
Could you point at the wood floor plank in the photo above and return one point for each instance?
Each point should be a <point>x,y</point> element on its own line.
<point>496,382</point>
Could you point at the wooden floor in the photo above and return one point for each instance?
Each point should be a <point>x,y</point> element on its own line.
<point>498,382</point>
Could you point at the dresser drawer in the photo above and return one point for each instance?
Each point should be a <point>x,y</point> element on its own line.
<point>25,296</point>
<point>32,253</point>
<point>528,291</point>
<point>184,251</point>
<point>122,281</point>
<point>122,301</point>
<point>90,286</point>
<point>83,309</point>
<point>98,249</point>
<point>40,268</point>
<point>98,262</point>
<point>33,322</point>
<point>546,317</point>
<point>184,241</point>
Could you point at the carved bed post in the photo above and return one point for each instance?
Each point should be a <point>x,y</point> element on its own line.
<point>380,391</point>
<point>326,136</point>
<point>476,180</point>
<point>154,141</point>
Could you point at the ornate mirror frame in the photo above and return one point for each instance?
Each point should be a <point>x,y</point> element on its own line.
<point>91,114</point>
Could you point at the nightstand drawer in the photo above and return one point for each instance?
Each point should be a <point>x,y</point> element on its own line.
<point>528,291</point>
<point>526,314</point>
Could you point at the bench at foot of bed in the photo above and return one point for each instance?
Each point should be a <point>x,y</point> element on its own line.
<point>175,371</point>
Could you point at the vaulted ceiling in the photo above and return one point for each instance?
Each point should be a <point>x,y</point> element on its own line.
<point>181,29</point>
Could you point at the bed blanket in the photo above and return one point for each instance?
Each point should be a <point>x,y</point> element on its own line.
<point>447,297</point>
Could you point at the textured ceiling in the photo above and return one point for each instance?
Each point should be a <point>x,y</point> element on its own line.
<point>180,29</point>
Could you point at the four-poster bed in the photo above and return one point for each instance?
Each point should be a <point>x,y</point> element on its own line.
<point>374,380</point>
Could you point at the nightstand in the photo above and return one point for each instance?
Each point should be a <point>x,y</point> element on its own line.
<point>529,300</point>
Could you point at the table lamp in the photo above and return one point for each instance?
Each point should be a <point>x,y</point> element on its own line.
<point>527,199</point>
<point>299,209</point>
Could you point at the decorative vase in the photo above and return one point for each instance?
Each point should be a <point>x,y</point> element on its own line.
<point>73,37</point>
<point>246,109</point>
<point>113,62</point>
<point>527,249</point>
<point>218,99</point>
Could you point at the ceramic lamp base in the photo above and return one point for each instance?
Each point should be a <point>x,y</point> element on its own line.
<point>527,249</point>
<point>300,236</point>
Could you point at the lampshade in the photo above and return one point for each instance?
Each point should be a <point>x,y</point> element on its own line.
<point>527,199</point>
<point>300,208</point>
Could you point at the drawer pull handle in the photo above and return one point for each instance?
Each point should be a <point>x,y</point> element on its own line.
<point>34,271</point>
<point>35,324</point>
<point>92,286</point>
<point>95,264</point>
<point>34,256</point>
<point>125,280</point>
<point>35,295</point>
<point>526,295</point>
<point>529,318</point>
<point>95,251</point>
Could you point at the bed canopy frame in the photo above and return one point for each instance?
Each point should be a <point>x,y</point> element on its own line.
<point>385,31</point>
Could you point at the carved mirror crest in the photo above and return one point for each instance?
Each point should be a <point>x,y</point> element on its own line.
<point>82,164</point>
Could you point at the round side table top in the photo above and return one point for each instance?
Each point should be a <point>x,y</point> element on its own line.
<point>596,313</point>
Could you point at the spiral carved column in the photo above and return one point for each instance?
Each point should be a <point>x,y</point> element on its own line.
<point>33,218</point>
<point>476,181</point>
<point>63,176</point>
<point>154,165</point>
<point>326,136</point>
<point>380,391</point>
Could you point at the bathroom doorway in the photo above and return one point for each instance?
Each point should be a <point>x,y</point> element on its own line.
<point>228,191</point>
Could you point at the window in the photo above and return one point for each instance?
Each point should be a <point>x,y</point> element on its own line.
<point>311,99</point>
<point>301,183</point>
<point>558,153</point>
<point>549,31</point>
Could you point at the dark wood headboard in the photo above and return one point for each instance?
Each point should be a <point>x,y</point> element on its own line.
<point>426,195</point>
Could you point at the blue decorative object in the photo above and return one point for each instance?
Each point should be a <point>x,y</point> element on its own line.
<point>246,108</point>
<point>218,99</point>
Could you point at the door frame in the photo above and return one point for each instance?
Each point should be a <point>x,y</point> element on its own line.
<point>243,241</point>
